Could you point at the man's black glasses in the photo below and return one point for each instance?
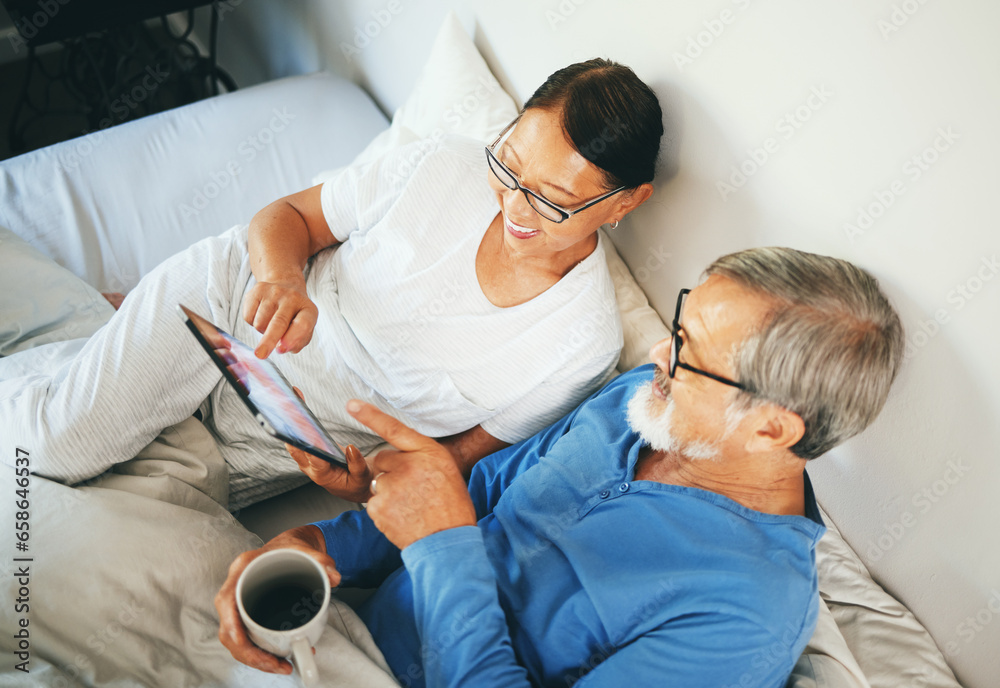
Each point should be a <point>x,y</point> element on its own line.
<point>675,348</point>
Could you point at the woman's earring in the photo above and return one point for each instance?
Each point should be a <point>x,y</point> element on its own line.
<point>614,225</point>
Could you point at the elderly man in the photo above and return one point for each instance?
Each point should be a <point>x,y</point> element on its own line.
<point>661,534</point>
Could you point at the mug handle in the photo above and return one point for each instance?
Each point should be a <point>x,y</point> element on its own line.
<point>305,663</point>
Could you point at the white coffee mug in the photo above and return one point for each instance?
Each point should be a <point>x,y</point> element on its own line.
<point>283,597</point>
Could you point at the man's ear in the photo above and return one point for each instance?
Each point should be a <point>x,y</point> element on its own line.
<point>775,429</point>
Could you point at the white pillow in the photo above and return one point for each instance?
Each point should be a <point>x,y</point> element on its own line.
<point>641,325</point>
<point>456,93</point>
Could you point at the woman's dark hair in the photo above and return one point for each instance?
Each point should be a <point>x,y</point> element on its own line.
<point>610,115</point>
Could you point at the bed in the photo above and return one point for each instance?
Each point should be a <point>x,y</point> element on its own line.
<point>124,567</point>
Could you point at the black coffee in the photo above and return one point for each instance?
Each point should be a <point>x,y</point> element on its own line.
<point>285,606</point>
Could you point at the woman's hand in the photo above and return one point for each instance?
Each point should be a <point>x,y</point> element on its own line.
<point>419,487</point>
<point>352,483</point>
<point>283,313</point>
<point>232,632</point>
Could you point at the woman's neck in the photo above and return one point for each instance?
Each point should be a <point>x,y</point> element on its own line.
<point>555,263</point>
<point>509,277</point>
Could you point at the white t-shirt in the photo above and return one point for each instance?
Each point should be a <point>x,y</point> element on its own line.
<point>401,302</point>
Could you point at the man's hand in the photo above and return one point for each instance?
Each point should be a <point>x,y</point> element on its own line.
<point>232,632</point>
<point>283,313</point>
<point>419,488</point>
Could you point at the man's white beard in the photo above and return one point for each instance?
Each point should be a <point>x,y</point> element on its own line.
<point>656,429</point>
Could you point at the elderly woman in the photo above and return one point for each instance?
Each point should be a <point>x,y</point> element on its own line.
<point>469,297</point>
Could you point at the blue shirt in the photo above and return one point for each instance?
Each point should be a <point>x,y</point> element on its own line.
<point>579,575</point>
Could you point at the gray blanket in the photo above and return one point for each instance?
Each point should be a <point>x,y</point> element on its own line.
<point>122,576</point>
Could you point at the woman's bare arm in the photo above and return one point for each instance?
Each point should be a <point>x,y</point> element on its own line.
<point>470,446</point>
<point>282,238</point>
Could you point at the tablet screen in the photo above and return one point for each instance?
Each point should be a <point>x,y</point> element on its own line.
<point>264,389</point>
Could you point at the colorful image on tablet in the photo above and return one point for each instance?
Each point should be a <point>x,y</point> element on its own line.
<point>264,389</point>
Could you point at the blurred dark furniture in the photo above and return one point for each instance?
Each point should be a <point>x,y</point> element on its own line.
<point>111,64</point>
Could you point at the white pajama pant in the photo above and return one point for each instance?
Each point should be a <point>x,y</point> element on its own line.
<point>80,407</point>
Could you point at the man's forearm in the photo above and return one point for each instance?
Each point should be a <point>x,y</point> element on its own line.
<point>308,535</point>
<point>463,630</point>
<point>363,555</point>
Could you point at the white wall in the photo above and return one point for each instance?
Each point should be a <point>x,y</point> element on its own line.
<point>868,101</point>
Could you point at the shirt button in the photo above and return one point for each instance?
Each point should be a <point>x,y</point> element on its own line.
<point>623,487</point>
<point>605,494</point>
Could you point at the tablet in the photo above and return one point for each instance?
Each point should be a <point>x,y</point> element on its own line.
<point>264,390</point>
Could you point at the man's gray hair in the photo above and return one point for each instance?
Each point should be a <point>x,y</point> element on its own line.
<point>829,349</point>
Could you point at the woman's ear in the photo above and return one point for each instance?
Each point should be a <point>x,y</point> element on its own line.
<point>777,429</point>
<point>633,199</point>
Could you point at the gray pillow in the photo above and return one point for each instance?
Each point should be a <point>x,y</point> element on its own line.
<point>62,306</point>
